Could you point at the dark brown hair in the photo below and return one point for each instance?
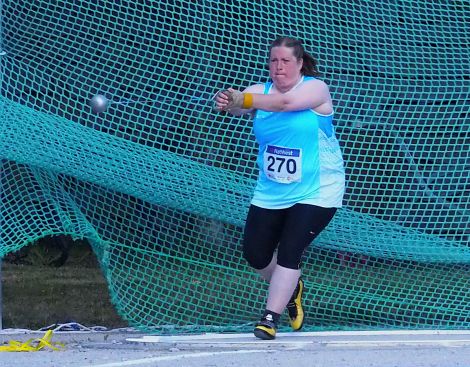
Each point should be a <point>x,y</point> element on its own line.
<point>309,67</point>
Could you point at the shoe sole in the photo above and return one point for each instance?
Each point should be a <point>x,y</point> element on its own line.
<point>263,334</point>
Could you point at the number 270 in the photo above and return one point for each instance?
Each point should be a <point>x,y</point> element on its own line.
<point>291,165</point>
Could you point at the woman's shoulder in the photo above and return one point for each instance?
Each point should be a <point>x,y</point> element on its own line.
<point>313,80</point>
<point>315,83</point>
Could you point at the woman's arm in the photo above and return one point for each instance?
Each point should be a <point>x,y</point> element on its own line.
<point>313,94</point>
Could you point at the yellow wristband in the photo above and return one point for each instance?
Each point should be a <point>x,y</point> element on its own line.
<point>247,100</point>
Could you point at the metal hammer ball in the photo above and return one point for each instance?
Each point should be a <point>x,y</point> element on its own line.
<point>99,103</point>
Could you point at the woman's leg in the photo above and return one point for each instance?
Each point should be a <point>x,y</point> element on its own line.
<point>281,287</point>
<point>303,223</point>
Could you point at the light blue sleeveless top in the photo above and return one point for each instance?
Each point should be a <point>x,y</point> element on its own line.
<point>299,159</point>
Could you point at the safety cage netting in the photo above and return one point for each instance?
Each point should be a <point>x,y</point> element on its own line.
<point>159,184</point>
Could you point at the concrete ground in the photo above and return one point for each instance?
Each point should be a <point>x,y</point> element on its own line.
<point>129,348</point>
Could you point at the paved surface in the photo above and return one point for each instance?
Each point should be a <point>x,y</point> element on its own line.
<point>116,349</point>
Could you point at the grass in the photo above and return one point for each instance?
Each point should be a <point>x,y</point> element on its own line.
<point>37,295</point>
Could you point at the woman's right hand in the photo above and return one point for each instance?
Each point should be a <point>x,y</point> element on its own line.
<point>228,99</point>
<point>222,100</point>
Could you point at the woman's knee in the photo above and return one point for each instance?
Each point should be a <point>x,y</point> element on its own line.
<point>257,258</point>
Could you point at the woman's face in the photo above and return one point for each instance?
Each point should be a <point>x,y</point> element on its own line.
<point>284,68</point>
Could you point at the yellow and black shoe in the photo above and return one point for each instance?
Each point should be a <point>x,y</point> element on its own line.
<point>265,329</point>
<point>294,307</point>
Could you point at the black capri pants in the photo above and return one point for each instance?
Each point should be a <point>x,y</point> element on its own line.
<point>288,230</point>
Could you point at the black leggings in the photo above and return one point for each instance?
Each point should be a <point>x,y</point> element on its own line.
<point>289,230</point>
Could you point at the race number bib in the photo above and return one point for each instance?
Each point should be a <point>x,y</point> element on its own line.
<point>283,165</point>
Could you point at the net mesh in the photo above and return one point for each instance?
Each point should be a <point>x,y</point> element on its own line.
<point>160,188</point>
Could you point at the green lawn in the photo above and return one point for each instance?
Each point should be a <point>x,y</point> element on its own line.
<point>38,295</point>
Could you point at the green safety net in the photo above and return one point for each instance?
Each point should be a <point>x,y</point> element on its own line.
<point>159,184</point>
